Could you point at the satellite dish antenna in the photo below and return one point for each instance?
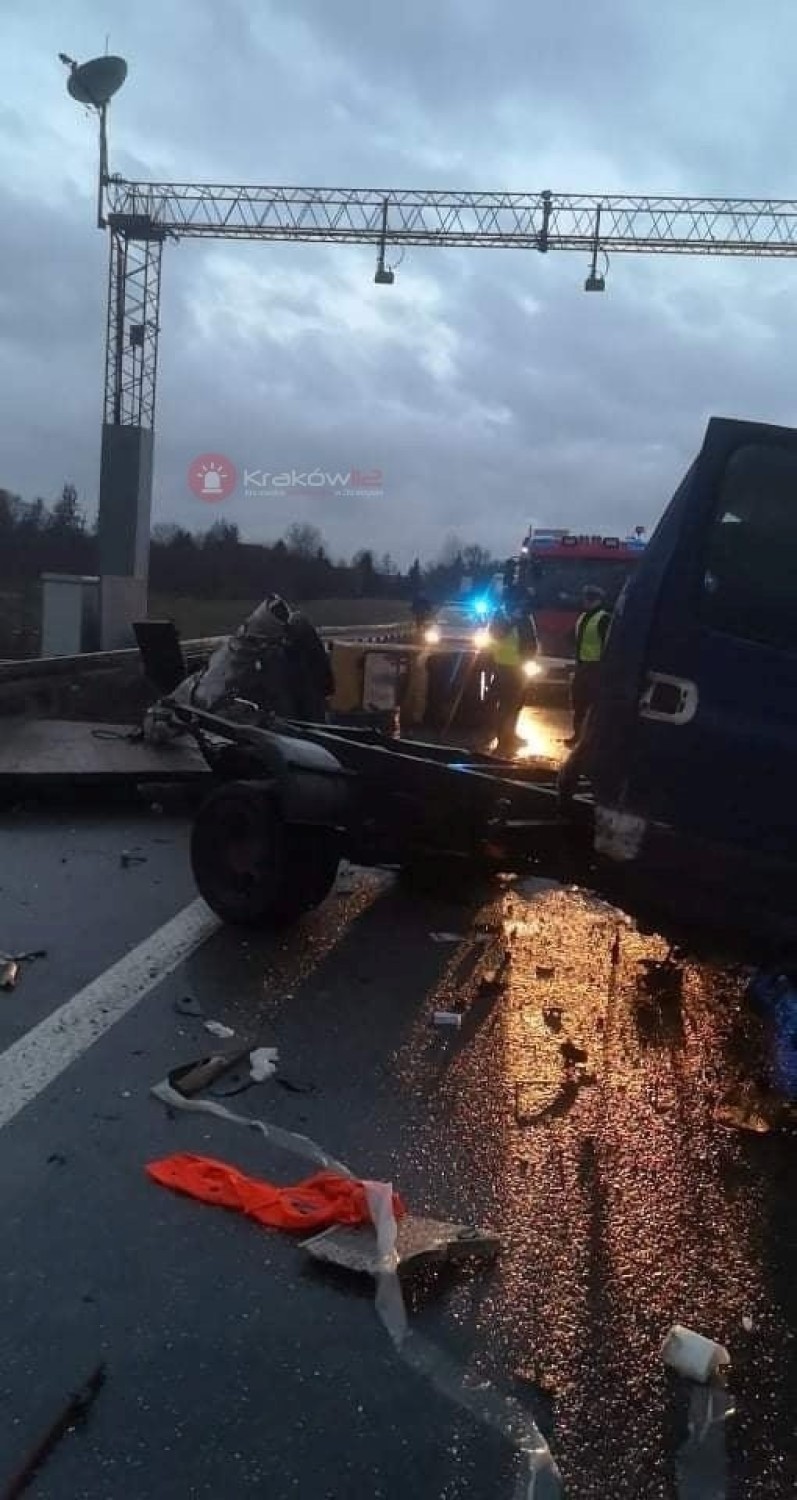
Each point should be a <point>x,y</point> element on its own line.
<point>96,82</point>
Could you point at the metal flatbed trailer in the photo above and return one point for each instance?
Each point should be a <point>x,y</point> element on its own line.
<point>290,801</point>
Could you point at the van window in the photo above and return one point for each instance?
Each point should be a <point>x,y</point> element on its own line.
<point>750,578</point>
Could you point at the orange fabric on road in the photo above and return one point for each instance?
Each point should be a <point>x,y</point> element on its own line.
<point>316,1203</point>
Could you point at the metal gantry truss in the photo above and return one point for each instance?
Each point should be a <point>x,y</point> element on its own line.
<point>141,215</point>
<point>131,346</point>
<point>524,221</point>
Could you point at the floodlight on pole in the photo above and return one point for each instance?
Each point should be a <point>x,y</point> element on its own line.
<point>94,84</point>
<point>596,282</point>
<point>383,275</point>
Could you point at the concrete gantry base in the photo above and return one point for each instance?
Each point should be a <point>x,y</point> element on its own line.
<point>123,531</point>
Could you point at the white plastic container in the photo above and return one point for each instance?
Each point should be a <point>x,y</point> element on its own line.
<point>692,1355</point>
<point>447,1018</point>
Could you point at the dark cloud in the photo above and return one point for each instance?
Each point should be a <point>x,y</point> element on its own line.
<point>487,387</point>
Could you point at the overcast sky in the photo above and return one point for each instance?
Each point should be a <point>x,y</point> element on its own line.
<point>486,386</point>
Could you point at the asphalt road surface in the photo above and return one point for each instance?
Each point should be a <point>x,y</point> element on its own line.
<point>576,1112</point>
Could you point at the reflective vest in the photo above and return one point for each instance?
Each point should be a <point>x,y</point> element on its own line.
<point>505,649</point>
<point>590,634</point>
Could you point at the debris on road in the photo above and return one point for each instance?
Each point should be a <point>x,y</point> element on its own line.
<point>75,1411</point>
<point>747,1323</point>
<point>493,1410</point>
<point>217,1028</point>
<point>447,937</point>
<point>9,974</point>
<point>419,1242</point>
<point>692,1355</point>
<point>749,1108</point>
<point>293,1087</point>
<point>263,1063</point>
<point>188,1006</point>
<point>318,1202</point>
<point>447,1018</point>
<point>191,1078</point>
<point>10,970</point>
<point>127,858</point>
<point>172,1095</point>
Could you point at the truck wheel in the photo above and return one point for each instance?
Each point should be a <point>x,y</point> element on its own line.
<point>251,868</point>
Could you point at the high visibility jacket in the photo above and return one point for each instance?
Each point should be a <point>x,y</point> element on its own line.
<point>591,634</point>
<point>505,649</point>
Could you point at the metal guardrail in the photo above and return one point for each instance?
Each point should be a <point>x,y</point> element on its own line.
<point>44,669</point>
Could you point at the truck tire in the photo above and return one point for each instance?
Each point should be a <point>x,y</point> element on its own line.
<point>252,868</point>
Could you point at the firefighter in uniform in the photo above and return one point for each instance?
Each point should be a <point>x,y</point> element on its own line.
<point>591,630</point>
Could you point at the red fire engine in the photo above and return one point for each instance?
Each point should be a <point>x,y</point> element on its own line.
<point>552,570</point>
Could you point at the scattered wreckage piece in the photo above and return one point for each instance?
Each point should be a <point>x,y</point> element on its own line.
<point>218,1029</point>
<point>419,1242</point>
<point>317,1202</point>
<point>10,966</point>
<point>692,1355</point>
<point>192,1078</point>
<point>443,1018</point>
<point>188,1005</point>
<point>255,1064</point>
<point>9,974</point>
<point>756,1110</point>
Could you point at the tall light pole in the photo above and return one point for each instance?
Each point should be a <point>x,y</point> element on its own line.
<point>125,501</point>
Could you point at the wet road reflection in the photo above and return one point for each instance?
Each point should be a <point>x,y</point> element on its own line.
<point>579,1099</point>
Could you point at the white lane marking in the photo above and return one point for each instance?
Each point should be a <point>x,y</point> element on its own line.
<point>38,1057</point>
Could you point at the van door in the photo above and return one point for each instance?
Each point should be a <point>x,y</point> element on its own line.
<point>714,747</point>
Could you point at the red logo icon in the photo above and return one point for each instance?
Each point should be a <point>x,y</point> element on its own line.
<point>212,477</point>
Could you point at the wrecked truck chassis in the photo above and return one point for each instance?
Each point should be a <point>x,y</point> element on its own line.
<point>291,800</point>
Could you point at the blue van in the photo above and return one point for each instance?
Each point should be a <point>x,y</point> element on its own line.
<point>692,750</point>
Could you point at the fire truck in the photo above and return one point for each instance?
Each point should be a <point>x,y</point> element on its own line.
<point>553,569</point>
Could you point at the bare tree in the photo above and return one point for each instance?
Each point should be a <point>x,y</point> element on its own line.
<point>451,550</point>
<point>476,559</point>
<point>304,540</point>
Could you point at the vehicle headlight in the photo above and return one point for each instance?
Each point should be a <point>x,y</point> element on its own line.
<point>531,668</point>
<point>481,639</point>
<point>432,636</point>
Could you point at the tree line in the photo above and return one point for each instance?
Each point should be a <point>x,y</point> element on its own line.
<point>38,538</point>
